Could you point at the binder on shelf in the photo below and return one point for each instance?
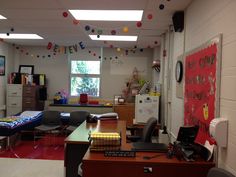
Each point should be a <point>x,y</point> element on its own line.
<point>22,78</point>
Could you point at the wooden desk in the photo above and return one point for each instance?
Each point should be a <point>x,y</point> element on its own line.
<point>125,112</point>
<point>77,143</point>
<point>95,164</point>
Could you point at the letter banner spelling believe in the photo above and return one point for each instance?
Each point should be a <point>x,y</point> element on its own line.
<point>201,100</point>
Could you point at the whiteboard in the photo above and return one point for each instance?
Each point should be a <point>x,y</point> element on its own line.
<point>126,65</point>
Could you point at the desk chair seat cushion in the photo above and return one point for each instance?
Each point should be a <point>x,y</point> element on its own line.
<point>133,138</point>
<point>219,172</point>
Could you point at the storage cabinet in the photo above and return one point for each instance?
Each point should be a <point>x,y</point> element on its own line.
<point>14,99</point>
<point>31,98</point>
<point>125,112</point>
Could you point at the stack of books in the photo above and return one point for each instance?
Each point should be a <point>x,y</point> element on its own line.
<point>105,141</point>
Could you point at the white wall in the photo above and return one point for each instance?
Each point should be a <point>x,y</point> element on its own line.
<point>7,51</point>
<point>155,74</point>
<point>177,103</point>
<point>204,20</point>
<point>56,67</point>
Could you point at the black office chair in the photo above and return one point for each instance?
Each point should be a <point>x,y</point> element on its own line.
<point>51,124</point>
<point>76,118</point>
<point>219,172</point>
<point>147,131</point>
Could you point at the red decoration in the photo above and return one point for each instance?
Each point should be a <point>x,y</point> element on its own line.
<point>149,16</point>
<point>49,46</point>
<point>200,90</point>
<point>75,22</point>
<point>139,24</point>
<point>94,54</point>
<point>111,46</point>
<point>65,14</point>
<point>113,32</point>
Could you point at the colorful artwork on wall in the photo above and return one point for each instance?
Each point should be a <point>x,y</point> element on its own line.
<point>201,88</point>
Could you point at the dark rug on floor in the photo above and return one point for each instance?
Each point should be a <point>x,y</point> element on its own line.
<point>50,148</point>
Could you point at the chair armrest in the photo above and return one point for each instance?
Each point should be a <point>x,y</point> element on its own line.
<point>133,129</point>
<point>133,138</point>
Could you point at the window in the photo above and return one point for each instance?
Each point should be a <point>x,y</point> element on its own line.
<point>85,78</point>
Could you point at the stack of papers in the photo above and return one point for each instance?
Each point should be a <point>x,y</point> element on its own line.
<point>102,141</point>
<point>106,116</point>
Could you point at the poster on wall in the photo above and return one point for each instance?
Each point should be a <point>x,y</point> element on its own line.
<point>201,89</point>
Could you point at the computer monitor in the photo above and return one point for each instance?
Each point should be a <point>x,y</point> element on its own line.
<point>187,134</point>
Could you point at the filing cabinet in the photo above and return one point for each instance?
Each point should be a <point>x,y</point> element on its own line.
<point>30,99</point>
<point>14,99</point>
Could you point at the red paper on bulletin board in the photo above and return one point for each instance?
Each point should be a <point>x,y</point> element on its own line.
<point>200,90</point>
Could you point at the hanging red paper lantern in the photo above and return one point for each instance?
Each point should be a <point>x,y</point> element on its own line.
<point>149,16</point>
<point>65,14</point>
<point>113,32</point>
<point>49,46</point>
<point>139,24</point>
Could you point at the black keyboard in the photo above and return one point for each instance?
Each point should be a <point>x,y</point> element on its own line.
<point>121,153</point>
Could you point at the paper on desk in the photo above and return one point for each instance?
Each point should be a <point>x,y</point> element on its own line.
<point>210,149</point>
<point>110,115</point>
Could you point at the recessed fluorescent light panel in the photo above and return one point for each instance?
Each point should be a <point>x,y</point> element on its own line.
<point>2,17</point>
<point>113,38</point>
<point>20,36</point>
<point>108,15</point>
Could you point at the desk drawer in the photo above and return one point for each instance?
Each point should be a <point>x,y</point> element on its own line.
<point>14,90</point>
<point>28,102</point>
<point>29,91</point>
<point>142,169</point>
<point>14,101</point>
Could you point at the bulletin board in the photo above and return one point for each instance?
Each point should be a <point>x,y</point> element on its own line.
<point>201,87</point>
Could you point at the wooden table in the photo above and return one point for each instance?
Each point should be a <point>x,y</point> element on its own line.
<point>96,165</point>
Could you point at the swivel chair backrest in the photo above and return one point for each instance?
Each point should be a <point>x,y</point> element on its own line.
<point>219,172</point>
<point>149,129</point>
<point>78,117</point>
<point>51,117</point>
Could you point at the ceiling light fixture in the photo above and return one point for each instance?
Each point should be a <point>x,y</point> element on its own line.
<point>19,36</point>
<point>107,15</point>
<point>2,17</point>
<point>113,38</point>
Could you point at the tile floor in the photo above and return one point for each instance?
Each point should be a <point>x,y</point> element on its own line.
<point>10,167</point>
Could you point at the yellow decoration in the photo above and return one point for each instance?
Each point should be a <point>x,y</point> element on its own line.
<point>125,29</point>
<point>205,111</point>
